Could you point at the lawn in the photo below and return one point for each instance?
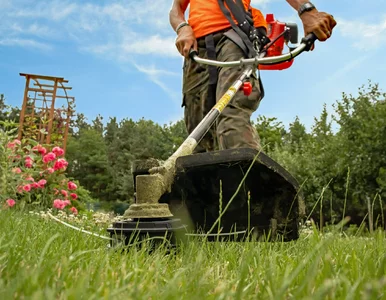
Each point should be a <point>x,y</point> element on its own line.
<point>43,259</point>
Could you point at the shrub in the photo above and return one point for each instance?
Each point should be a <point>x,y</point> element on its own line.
<point>34,176</point>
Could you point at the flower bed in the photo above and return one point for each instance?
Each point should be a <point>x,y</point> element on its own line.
<point>34,176</point>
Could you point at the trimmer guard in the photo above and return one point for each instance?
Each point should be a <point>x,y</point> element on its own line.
<point>275,203</point>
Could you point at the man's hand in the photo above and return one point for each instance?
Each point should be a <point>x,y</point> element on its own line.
<point>185,41</point>
<point>319,23</point>
<point>185,37</point>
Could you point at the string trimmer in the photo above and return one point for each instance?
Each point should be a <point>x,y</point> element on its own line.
<point>147,216</point>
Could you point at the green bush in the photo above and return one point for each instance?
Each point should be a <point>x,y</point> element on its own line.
<point>33,176</point>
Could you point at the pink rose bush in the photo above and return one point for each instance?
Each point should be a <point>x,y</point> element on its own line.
<point>37,177</point>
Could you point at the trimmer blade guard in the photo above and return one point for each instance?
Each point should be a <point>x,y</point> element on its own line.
<point>136,231</point>
<point>268,203</point>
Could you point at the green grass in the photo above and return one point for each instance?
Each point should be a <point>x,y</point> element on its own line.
<point>42,259</point>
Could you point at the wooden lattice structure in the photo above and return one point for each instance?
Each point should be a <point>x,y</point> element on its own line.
<point>47,110</point>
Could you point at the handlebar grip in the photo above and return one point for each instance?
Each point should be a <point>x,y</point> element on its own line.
<point>309,40</point>
<point>193,53</point>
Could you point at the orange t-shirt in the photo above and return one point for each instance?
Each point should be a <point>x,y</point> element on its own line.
<point>206,16</point>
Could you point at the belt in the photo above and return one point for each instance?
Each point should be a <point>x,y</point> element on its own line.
<point>216,37</point>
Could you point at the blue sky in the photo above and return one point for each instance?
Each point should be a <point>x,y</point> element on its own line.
<point>120,57</point>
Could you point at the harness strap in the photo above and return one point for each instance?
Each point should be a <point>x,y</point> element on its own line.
<point>241,15</point>
<point>245,35</point>
<point>213,75</point>
<point>242,21</point>
<point>234,37</point>
<point>249,38</point>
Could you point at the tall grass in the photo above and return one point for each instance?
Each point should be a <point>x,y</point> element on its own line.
<point>42,259</point>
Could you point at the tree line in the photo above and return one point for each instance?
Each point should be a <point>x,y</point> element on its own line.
<point>340,162</point>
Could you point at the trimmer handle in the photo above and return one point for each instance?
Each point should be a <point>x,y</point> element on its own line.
<point>193,53</point>
<point>309,40</point>
<point>305,45</point>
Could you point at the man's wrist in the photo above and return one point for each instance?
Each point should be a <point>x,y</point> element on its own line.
<point>306,7</point>
<point>182,24</point>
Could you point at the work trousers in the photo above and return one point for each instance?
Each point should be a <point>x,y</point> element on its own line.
<point>233,128</point>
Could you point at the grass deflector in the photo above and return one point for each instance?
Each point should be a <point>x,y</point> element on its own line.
<point>227,194</point>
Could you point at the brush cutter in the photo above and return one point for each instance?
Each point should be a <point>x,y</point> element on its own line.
<point>226,194</point>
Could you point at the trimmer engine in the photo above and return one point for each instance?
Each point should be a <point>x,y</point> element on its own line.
<point>280,34</point>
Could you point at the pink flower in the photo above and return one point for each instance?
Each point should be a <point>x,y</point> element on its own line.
<point>60,164</point>
<point>74,196</point>
<point>27,187</point>
<point>49,157</point>
<point>11,202</point>
<point>74,210</point>
<point>16,170</point>
<point>64,193</point>
<point>41,183</point>
<point>40,149</point>
<point>50,170</point>
<point>28,162</point>
<point>29,178</point>
<point>35,185</point>
<point>12,145</point>
<point>71,186</point>
<point>20,189</point>
<point>59,204</point>
<point>58,151</point>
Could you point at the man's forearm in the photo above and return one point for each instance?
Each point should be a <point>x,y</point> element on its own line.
<point>296,3</point>
<point>177,12</point>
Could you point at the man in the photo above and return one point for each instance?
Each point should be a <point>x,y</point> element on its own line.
<point>206,32</point>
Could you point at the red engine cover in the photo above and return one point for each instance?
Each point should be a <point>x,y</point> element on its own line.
<point>275,28</point>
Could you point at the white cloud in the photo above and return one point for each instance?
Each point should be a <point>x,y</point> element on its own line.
<point>135,46</point>
<point>34,29</point>
<point>343,71</point>
<point>118,28</point>
<point>25,43</point>
<point>155,75</point>
<point>367,36</point>
<point>260,3</point>
<point>153,71</point>
<point>5,4</point>
<point>98,49</point>
<point>51,10</point>
<point>153,45</point>
<point>116,11</point>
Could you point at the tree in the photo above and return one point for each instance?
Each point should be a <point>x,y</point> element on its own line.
<point>7,112</point>
<point>87,156</point>
<point>176,134</point>
<point>78,124</point>
<point>297,135</point>
<point>362,138</point>
<point>271,132</point>
<point>98,124</point>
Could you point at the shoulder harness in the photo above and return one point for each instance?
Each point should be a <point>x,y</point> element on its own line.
<point>244,34</point>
